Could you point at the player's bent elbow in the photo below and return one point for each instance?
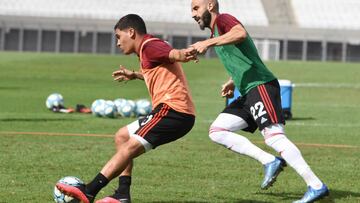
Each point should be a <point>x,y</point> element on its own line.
<point>238,34</point>
<point>241,36</point>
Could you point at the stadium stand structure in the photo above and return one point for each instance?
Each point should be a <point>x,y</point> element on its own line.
<point>283,29</point>
<point>327,14</point>
<point>279,12</point>
<point>176,11</point>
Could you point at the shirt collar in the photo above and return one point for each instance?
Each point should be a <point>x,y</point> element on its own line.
<point>213,27</point>
<point>146,36</point>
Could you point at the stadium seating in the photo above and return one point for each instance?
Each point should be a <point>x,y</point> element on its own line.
<point>328,14</point>
<point>250,12</point>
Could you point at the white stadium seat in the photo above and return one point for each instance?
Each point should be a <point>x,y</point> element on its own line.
<point>327,14</point>
<point>249,12</point>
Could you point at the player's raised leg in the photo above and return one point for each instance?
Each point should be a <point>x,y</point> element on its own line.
<point>131,148</point>
<point>222,132</point>
<point>163,125</point>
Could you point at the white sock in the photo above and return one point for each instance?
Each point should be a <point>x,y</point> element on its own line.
<point>241,145</point>
<point>293,157</point>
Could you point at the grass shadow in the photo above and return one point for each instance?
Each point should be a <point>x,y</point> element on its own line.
<point>250,201</point>
<point>335,195</point>
<point>177,201</point>
<point>341,194</point>
<point>285,196</point>
<point>238,201</point>
<point>302,119</point>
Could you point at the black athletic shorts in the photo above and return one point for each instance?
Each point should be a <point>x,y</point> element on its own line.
<point>260,107</point>
<point>164,125</point>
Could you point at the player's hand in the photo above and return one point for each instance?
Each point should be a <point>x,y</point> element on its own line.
<point>201,47</point>
<point>190,54</point>
<point>123,74</point>
<point>227,89</point>
<point>183,55</point>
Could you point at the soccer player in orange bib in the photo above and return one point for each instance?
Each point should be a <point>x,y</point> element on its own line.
<point>172,117</point>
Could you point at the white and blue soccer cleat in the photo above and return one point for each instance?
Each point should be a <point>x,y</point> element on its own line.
<point>272,170</point>
<point>312,195</point>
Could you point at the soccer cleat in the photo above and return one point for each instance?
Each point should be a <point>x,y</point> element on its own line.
<point>272,170</point>
<point>312,195</point>
<point>78,192</point>
<point>113,200</point>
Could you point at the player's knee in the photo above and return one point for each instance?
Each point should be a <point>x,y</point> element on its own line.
<point>275,130</point>
<point>213,137</point>
<point>121,136</point>
<point>215,134</point>
<point>132,148</point>
<point>275,137</point>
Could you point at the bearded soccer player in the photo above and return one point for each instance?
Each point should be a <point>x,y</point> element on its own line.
<point>172,117</point>
<point>260,103</point>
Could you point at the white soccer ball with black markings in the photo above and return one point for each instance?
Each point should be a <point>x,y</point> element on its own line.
<point>120,103</point>
<point>97,107</point>
<point>109,110</point>
<point>60,197</point>
<point>128,109</point>
<point>132,103</point>
<point>143,107</point>
<point>54,100</point>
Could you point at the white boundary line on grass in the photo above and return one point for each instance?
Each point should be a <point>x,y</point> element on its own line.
<point>314,124</point>
<point>311,124</point>
<point>328,85</point>
<point>55,134</point>
<point>110,136</point>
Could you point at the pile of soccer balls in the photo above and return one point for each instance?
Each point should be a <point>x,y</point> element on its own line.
<point>120,108</point>
<point>105,108</point>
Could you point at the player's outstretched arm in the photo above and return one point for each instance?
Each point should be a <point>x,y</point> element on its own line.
<point>124,74</point>
<point>183,55</point>
<point>237,34</point>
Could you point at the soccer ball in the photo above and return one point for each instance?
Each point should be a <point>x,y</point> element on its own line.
<point>97,107</point>
<point>131,103</point>
<point>109,110</point>
<point>127,110</point>
<point>120,103</point>
<point>54,100</point>
<point>59,197</point>
<point>143,107</point>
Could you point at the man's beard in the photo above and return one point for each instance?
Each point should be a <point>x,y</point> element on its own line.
<point>206,20</point>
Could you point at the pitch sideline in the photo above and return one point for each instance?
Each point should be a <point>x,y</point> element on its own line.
<point>110,136</point>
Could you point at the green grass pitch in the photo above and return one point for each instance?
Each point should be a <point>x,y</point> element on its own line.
<point>326,127</point>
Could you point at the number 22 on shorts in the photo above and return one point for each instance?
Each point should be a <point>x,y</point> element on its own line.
<point>257,110</point>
